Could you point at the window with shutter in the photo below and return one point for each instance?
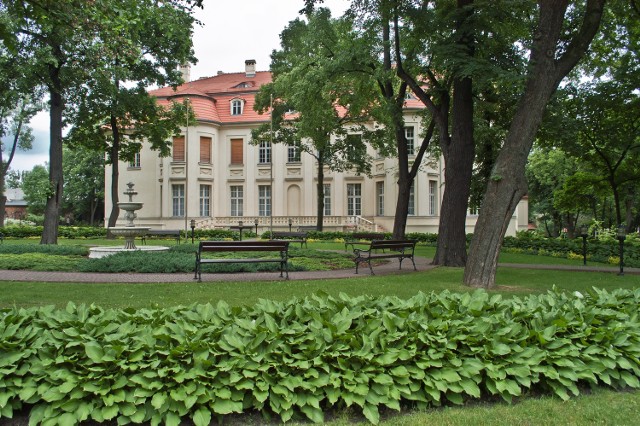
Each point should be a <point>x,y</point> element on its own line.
<point>178,148</point>
<point>205,149</point>
<point>236,151</point>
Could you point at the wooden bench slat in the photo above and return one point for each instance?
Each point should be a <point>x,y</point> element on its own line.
<point>175,233</point>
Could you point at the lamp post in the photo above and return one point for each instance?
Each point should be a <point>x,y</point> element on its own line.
<point>193,229</point>
<point>255,222</point>
<point>583,234</point>
<point>622,235</point>
<point>290,223</point>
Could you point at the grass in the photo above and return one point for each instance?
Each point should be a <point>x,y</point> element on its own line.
<point>607,407</point>
<point>510,282</point>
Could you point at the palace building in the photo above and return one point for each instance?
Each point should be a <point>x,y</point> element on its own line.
<point>216,177</point>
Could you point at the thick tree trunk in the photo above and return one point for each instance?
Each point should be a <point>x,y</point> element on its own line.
<point>508,182</point>
<point>54,199</point>
<point>459,156</point>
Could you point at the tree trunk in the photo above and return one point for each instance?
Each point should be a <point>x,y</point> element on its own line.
<point>459,155</point>
<point>508,182</point>
<point>115,173</point>
<point>54,199</point>
<point>320,199</point>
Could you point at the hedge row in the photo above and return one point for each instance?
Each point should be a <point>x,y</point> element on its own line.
<point>303,357</point>
<point>598,251</point>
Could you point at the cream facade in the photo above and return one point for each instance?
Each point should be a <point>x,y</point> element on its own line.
<point>216,177</point>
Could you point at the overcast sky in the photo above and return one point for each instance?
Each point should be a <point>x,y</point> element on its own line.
<point>232,32</point>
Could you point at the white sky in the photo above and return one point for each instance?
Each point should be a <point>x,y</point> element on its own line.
<point>232,32</point>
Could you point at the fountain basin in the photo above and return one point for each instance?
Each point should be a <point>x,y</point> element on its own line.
<point>98,252</point>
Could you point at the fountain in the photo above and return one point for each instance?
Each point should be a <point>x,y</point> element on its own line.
<point>129,231</point>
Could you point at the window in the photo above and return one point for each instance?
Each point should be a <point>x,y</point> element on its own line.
<point>178,148</point>
<point>411,211</point>
<point>327,199</point>
<point>177,195</point>
<point>433,197</point>
<point>236,200</point>
<point>264,152</point>
<point>237,156</point>
<point>408,133</point>
<point>354,199</point>
<point>135,164</point>
<point>293,154</point>
<point>380,198</point>
<point>205,150</point>
<point>205,200</point>
<point>264,200</point>
<point>236,107</point>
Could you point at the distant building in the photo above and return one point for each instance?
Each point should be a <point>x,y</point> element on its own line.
<point>15,206</point>
<point>215,176</point>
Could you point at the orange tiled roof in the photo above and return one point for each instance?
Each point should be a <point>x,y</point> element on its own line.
<point>211,97</point>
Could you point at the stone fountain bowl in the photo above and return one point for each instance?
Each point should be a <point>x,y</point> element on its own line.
<point>129,231</point>
<point>130,205</point>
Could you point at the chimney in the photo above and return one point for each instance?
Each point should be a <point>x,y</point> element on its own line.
<point>185,69</point>
<point>220,72</point>
<point>250,67</point>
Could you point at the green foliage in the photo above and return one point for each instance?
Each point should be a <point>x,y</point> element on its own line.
<point>50,249</point>
<point>71,232</point>
<point>299,358</point>
<point>39,262</point>
<point>597,250</point>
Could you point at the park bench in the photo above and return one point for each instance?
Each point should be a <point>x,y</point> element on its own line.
<point>363,238</point>
<point>292,237</point>
<point>400,249</point>
<point>161,233</point>
<point>280,247</point>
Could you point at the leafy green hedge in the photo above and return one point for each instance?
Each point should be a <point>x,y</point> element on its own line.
<point>597,251</point>
<point>303,357</point>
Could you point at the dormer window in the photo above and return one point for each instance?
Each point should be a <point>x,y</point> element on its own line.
<point>236,106</point>
<point>244,85</point>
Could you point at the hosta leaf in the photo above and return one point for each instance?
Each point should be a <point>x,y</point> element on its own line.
<point>159,400</point>
<point>630,379</point>
<point>172,419</point>
<point>449,375</point>
<point>371,413</point>
<point>94,351</point>
<point>67,419</point>
<point>226,407</point>
<point>314,414</point>
<point>109,413</point>
<point>455,398</point>
<point>202,417</point>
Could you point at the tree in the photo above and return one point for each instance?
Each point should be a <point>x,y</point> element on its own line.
<point>309,80</point>
<point>16,109</point>
<point>67,40</point>
<point>36,187</point>
<point>548,173</point>
<point>157,37</point>
<point>555,51</point>
<point>84,182</point>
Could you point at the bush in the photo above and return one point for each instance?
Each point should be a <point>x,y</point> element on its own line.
<point>302,357</point>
